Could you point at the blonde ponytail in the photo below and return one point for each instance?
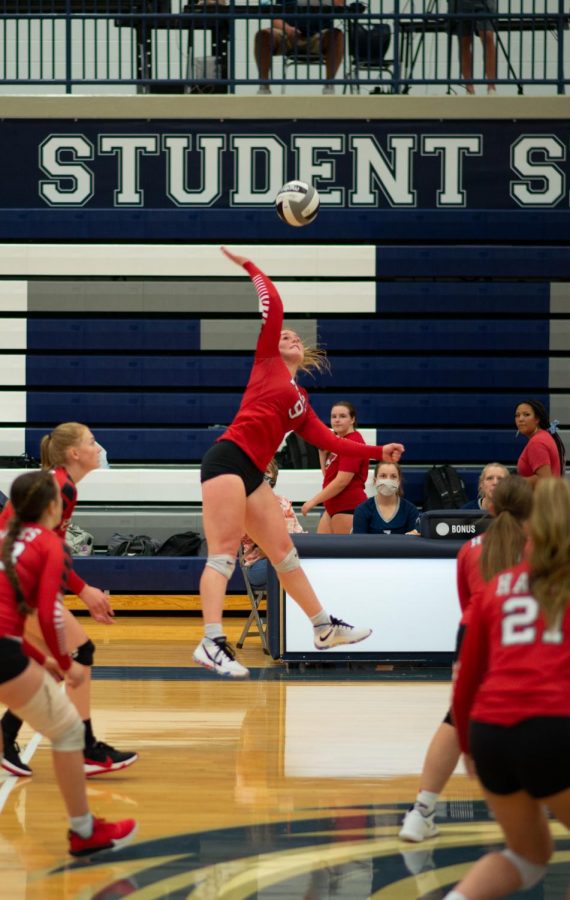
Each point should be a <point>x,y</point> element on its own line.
<point>54,446</point>
<point>550,554</point>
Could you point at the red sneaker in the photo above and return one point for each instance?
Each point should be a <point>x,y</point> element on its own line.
<point>105,836</point>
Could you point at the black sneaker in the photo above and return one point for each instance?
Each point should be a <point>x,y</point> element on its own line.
<point>11,760</point>
<point>100,758</point>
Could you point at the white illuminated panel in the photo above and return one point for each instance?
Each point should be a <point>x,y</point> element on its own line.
<point>411,604</point>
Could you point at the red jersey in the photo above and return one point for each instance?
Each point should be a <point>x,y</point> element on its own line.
<point>273,403</point>
<point>69,498</point>
<point>541,450</point>
<point>353,493</point>
<point>470,582</point>
<point>42,564</point>
<point>511,667</point>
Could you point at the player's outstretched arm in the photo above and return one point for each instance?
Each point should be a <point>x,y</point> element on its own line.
<point>234,257</point>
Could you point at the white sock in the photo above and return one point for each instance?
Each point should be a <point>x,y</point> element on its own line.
<point>213,631</point>
<point>321,618</point>
<point>82,825</point>
<point>426,800</point>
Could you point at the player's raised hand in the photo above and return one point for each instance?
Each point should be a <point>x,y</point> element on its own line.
<point>234,257</point>
<point>393,452</point>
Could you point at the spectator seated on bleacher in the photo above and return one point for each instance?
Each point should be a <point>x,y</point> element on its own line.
<point>489,478</point>
<point>252,556</point>
<point>301,38</point>
<point>388,512</point>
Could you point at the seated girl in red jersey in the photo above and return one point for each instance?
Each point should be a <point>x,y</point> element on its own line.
<point>478,561</point>
<point>545,454</point>
<point>33,574</point>
<point>236,500</point>
<point>512,701</point>
<point>344,477</point>
<point>71,451</point>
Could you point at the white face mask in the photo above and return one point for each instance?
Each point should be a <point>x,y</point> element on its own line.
<point>387,486</point>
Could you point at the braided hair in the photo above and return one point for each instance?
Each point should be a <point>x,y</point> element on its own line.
<point>30,494</point>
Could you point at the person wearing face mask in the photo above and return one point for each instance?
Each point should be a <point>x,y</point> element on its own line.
<point>344,477</point>
<point>388,512</point>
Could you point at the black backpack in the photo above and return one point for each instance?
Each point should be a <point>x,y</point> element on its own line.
<point>187,543</point>
<point>297,454</point>
<point>444,489</point>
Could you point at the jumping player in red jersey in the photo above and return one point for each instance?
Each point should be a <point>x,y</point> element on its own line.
<point>72,452</point>
<point>33,574</point>
<point>344,477</point>
<point>236,500</point>
<point>512,701</point>
<point>478,561</point>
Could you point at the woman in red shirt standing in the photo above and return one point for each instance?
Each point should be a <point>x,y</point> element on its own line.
<point>71,452</point>
<point>478,561</point>
<point>512,701</point>
<point>544,455</point>
<point>33,575</point>
<point>235,498</point>
<point>344,477</point>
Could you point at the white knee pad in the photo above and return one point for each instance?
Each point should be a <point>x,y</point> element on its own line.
<point>223,564</point>
<point>51,712</point>
<point>530,873</point>
<point>289,563</point>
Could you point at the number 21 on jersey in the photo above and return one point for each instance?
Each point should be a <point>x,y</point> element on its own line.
<point>520,615</point>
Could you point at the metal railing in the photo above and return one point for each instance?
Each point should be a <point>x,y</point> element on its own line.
<point>211,48</point>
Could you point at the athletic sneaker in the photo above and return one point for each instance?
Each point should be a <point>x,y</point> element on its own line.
<point>339,632</point>
<point>416,827</point>
<point>100,758</point>
<point>217,654</point>
<point>11,760</point>
<point>105,836</point>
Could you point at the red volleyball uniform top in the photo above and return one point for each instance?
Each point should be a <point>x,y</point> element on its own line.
<point>42,564</point>
<point>273,403</point>
<point>354,492</point>
<point>470,582</point>
<point>541,450</point>
<point>511,667</point>
<point>69,497</point>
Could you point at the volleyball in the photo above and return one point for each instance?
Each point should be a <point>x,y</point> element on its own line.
<point>297,203</point>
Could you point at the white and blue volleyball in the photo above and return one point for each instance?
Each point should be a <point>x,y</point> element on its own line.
<point>297,203</point>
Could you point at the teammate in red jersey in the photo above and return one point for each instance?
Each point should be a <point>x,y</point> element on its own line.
<point>33,575</point>
<point>236,500</point>
<point>512,701</point>
<point>72,452</point>
<point>478,561</point>
<point>344,477</point>
<point>544,455</point>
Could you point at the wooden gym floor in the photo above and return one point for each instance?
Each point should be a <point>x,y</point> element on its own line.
<point>289,786</point>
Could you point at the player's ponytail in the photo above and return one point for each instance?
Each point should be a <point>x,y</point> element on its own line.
<point>30,495</point>
<point>314,360</point>
<point>550,554</point>
<point>54,446</point>
<point>505,538</point>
